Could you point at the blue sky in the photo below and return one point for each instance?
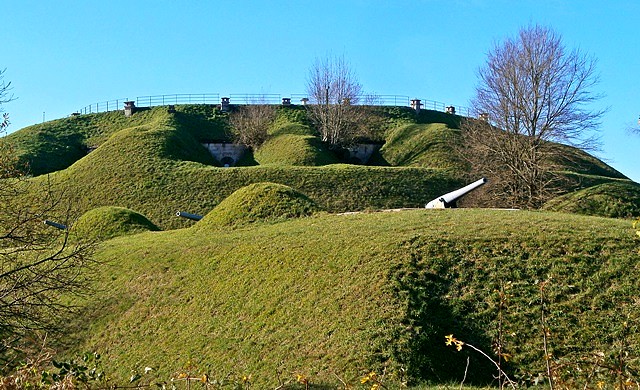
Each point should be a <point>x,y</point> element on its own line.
<point>63,55</point>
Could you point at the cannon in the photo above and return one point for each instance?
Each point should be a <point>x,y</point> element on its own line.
<point>55,224</point>
<point>194,217</point>
<point>449,199</point>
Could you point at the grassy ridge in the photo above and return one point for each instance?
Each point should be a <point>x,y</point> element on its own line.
<point>159,167</point>
<point>352,293</point>
<point>257,203</point>
<point>196,189</point>
<point>153,162</point>
<point>55,145</point>
<point>422,145</point>
<point>330,293</point>
<point>614,200</point>
<point>423,140</point>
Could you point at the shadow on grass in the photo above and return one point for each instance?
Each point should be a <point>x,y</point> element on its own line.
<point>421,282</point>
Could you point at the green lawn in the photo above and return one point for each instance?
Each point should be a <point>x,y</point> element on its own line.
<point>347,294</point>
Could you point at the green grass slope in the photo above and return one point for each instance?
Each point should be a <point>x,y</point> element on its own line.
<point>347,294</point>
<point>107,222</point>
<point>582,163</point>
<point>55,145</point>
<point>614,200</point>
<point>422,140</point>
<point>291,120</point>
<point>258,202</point>
<point>154,162</point>
<point>422,145</point>
<point>160,167</point>
<point>330,293</point>
<point>294,150</point>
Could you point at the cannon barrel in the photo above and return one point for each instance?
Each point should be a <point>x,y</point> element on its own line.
<point>194,217</point>
<point>55,224</point>
<point>449,199</point>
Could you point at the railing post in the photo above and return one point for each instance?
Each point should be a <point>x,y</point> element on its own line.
<point>129,108</point>
<point>416,105</point>
<point>224,104</point>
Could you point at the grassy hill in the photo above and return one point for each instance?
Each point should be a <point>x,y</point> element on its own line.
<point>251,290</point>
<point>106,222</point>
<point>347,294</point>
<point>154,163</point>
<point>613,199</point>
<point>158,166</point>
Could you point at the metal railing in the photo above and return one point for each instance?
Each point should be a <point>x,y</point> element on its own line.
<point>185,98</point>
<point>110,105</point>
<point>255,98</point>
<point>262,98</point>
<point>152,101</point>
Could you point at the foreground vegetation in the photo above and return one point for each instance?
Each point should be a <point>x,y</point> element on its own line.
<point>350,294</point>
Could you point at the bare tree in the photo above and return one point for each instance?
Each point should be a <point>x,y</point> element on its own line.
<point>532,94</point>
<point>334,91</point>
<point>635,128</point>
<point>5,97</point>
<point>250,123</point>
<point>38,265</point>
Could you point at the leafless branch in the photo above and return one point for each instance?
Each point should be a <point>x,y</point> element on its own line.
<point>250,123</point>
<point>532,94</point>
<point>38,264</point>
<point>5,97</point>
<point>335,93</point>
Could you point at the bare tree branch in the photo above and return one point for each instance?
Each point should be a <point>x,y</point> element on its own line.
<point>5,97</point>
<point>335,92</point>
<point>532,94</point>
<point>250,123</point>
<point>38,264</point>
<point>634,129</point>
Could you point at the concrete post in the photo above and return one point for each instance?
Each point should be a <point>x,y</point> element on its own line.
<point>416,105</point>
<point>224,104</point>
<point>304,101</point>
<point>129,108</point>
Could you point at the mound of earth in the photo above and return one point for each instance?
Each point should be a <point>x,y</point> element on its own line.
<point>106,222</point>
<point>259,202</point>
<point>293,149</point>
<point>613,200</point>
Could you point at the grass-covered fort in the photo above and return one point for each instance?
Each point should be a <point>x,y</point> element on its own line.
<point>296,269</point>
